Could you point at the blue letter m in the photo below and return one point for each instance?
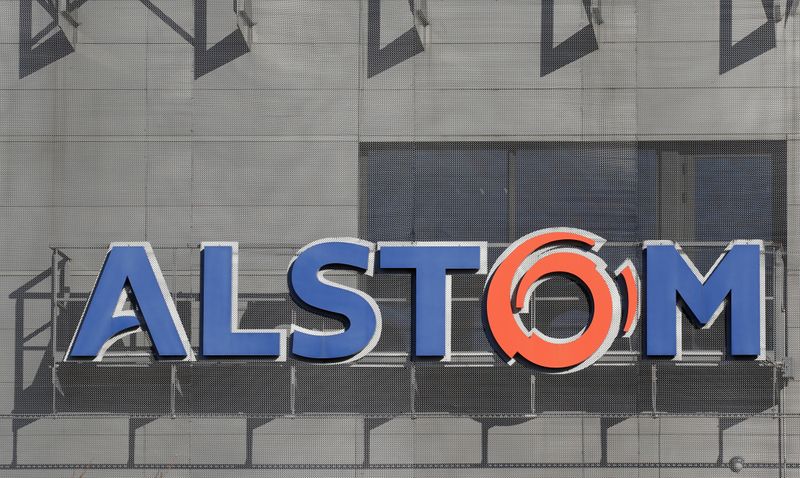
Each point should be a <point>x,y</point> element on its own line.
<point>737,278</point>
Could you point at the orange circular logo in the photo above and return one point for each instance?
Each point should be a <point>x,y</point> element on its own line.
<point>530,261</point>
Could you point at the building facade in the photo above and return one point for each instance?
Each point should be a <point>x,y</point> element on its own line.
<point>276,123</point>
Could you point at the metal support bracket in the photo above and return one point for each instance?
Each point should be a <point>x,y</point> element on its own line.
<point>244,19</point>
<point>788,368</point>
<point>422,21</point>
<point>68,23</point>
<point>597,12</point>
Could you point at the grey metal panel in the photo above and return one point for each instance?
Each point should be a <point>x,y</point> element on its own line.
<point>73,112</point>
<point>169,225</point>
<point>169,172</point>
<point>711,111</point>
<point>286,66</point>
<point>23,164</point>
<point>386,113</point>
<point>10,34</point>
<point>121,22</point>
<point>516,66</point>
<point>26,235</point>
<point>217,440</point>
<point>273,224</point>
<point>100,174</point>
<point>321,441</point>
<point>285,173</point>
<point>547,440</point>
<point>680,20</point>
<point>757,438</point>
<point>106,224</point>
<point>695,64</point>
<point>163,441</point>
<point>85,69</point>
<point>274,113</point>
<point>522,112</point>
<point>426,440</point>
<point>307,21</point>
<point>77,440</point>
<point>208,441</point>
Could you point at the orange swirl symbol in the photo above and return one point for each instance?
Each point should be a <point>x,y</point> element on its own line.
<point>526,264</point>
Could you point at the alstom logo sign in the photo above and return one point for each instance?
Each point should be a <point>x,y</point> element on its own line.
<point>672,283</point>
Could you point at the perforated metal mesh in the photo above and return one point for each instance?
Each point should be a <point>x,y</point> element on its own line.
<point>276,123</point>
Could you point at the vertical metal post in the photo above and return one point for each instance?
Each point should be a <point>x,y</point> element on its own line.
<point>293,377</point>
<point>781,437</point>
<point>293,390</point>
<point>173,378</point>
<point>53,315</point>
<point>779,307</point>
<point>365,440</point>
<point>413,389</point>
<point>774,390</point>
<point>485,443</point>
<point>583,445</point>
<point>511,205</point>
<point>780,292</point>
<point>778,415</point>
<point>653,389</point>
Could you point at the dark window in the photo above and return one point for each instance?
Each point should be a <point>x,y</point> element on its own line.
<point>700,194</point>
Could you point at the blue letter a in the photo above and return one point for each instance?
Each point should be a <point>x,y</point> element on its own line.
<point>130,269</point>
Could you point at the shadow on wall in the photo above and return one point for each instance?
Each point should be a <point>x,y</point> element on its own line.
<point>34,56</point>
<point>38,49</point>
